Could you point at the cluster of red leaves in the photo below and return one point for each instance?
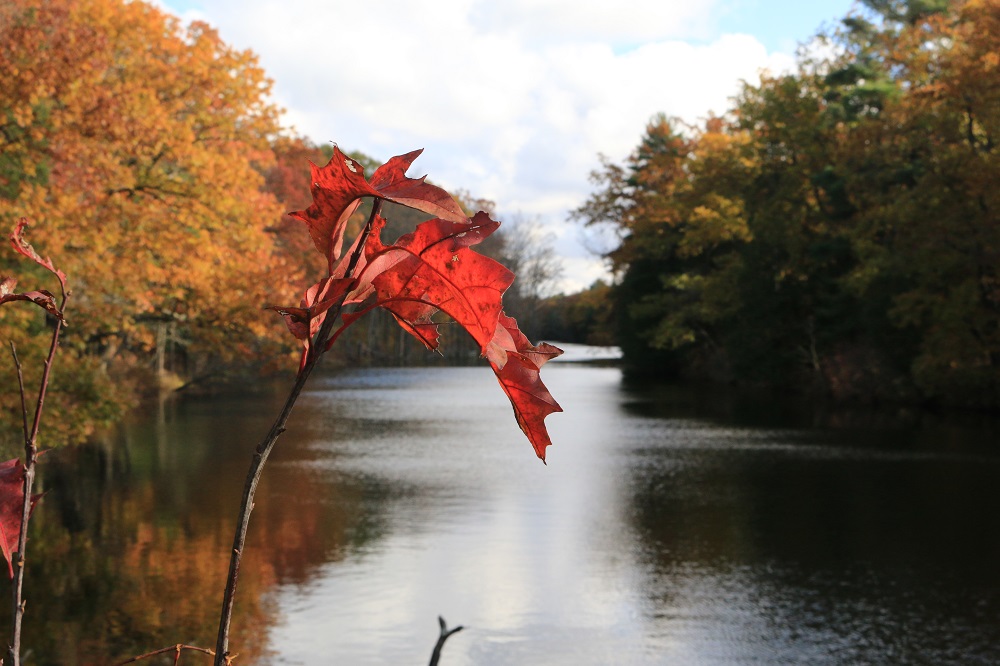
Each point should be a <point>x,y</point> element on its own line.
<point>12,471</point>
<point>431,270</point>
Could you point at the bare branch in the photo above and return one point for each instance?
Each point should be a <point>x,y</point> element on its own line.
<point>445,634</point>
<point>170,648</point>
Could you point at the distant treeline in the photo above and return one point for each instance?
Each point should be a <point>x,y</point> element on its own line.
<point>838,229</point>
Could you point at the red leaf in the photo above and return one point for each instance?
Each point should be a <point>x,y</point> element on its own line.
<point>433,269</point>
<point>516,363</point>
<point>391,182</point>
<point>336,190</point>
<point>304,322</point>
<point>24,247</point>
<point>296,319</point>
<point>42,298</point>
<point>339,185</point>
<point>11,507</point>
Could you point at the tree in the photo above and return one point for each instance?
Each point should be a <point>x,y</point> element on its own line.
<point>677,231</point>
<point>923,179</point>
<point>837,228</point>
<point>138,145</point>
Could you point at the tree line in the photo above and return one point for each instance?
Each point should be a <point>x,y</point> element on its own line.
<point>838,229</point>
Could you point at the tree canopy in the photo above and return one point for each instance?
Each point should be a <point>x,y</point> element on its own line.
<point>138,147</point>
<point>837,228</point>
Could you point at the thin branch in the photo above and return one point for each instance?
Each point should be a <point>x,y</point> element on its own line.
<point>43,389</point>
<point>445,634</point>
<point>263,450</point>
<point>20,387</point>
<point>30,456</point>
<point>170,648</point>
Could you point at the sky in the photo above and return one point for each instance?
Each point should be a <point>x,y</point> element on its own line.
<point>511,100</point>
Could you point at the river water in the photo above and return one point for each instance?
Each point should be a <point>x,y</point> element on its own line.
<point>670,526</point>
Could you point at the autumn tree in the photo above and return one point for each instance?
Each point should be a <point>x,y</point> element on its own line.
<point>838,227</point>
<point>925,181</point>
<point>137,145</point>
<point>676,236</point>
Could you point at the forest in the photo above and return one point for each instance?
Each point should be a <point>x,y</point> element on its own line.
<point>837,231</point>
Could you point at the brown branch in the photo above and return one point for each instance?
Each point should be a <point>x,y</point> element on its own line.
<point>316,349</point>
<point>20,387</point>
<point>170,648</point>
<point>30,456</point>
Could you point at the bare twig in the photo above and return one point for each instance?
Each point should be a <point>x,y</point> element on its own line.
<point>445,634</point>
<point>20,387</point>
<point>176,649</point>
<point>316,349</point>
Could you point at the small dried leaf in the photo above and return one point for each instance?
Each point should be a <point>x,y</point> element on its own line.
<point>11,508</point>
<point>42,298</point>
<point>24,247</point>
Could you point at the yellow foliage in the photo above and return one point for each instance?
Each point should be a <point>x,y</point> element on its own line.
<point>136,146</point>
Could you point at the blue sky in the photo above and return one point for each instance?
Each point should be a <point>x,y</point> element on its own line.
<point>512,100</point>
<point>781,24</point>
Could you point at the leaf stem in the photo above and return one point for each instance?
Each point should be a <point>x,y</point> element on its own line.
<point>316,349</point>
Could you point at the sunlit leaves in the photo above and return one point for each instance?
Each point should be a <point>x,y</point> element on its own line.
<point>338,187</point>
<point>137,145</point>
<point>516,363</point>
<point>434,269</point>
<point>428,273</point>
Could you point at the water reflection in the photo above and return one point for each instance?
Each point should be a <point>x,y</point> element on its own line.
<point>670,526</point>
<point>801,546</point>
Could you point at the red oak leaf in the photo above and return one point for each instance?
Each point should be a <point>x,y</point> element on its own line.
<point>433,269</point>
<point>338,187</point>
<point>304,321</point>
<point>42,298</point>
<point>24,247</point>
<point>336,190</point>
<point>11,507</point>
<point>516,363</point>
<point>391,182</point>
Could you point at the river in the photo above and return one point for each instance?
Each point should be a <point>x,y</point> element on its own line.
<point>670,526</point>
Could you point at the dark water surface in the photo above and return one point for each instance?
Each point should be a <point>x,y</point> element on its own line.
<point>670,527</point>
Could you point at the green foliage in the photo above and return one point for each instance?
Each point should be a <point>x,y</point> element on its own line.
<point>837,229</point>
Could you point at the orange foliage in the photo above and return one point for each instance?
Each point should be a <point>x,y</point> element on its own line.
<point>136,145</point>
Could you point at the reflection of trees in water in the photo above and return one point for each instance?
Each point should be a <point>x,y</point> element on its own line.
<point>802,537</point>
<point>130,544</point>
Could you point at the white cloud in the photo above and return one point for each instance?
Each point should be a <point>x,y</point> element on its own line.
<point>617,23</point>
<point>512,101</point>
